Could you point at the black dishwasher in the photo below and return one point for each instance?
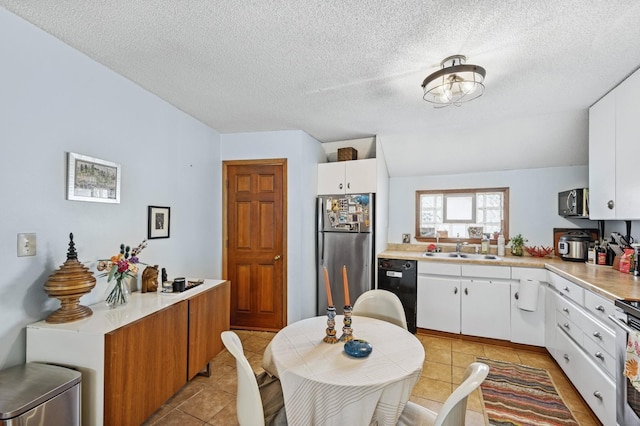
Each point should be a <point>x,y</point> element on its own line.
<point>401,278</point>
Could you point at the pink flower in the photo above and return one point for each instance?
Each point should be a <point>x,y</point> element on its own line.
<point>123,266</point>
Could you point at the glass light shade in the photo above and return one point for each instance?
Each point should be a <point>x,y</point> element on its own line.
<point>454,84</point>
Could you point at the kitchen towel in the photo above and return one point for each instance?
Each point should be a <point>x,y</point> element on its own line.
<point>528,294</point>
<point>632,359</point>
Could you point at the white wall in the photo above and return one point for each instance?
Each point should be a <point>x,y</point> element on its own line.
<point>303,153</point>
<point>55,100</point>
<point>533,193</point>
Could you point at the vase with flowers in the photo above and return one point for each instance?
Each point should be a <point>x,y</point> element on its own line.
<point>117,270</point>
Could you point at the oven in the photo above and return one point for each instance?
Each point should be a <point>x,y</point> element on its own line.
<point>627,320</point>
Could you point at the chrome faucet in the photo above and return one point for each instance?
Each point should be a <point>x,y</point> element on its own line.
<point>459,245</point>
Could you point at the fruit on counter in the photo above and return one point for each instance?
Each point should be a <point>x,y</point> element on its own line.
<point>431,247</point>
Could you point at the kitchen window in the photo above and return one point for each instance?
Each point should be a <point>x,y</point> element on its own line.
<point>467,214</point>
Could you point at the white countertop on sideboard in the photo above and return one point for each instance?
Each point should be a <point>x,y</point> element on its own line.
<point>105,320</point>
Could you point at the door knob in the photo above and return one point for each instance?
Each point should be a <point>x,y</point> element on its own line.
<point>277,257</point>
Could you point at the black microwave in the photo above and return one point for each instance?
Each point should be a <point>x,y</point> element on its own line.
<point>574,203</point>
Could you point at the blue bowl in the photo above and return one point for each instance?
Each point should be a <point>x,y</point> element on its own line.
<point>358,348</point>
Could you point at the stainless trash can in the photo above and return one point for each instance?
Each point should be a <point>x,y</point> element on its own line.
<point>39,394</point>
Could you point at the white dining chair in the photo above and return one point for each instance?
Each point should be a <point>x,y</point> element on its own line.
<point>454,409</point>
<point>248,400</point>
<point>381,304</point>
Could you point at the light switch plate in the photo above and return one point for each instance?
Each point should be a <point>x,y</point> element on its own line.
<point>26,245</point>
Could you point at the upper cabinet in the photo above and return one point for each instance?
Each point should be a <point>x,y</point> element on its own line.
<point>347,177</point>
<point>614,130</point>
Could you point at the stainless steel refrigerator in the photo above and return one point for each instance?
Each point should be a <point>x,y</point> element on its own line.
<point>345,238</point>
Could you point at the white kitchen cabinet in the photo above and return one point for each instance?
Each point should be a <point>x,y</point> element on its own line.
<point>550,323</point>
<point>438,303</point>
<point>584,342</point>
<point>347,177</point>
<point>602,158</point>
<point>627,148</point>
<point>485,308</point>
<point>613,152</point>
<point>597,389</point>
<point>528,327</point>
<point>477,305</point>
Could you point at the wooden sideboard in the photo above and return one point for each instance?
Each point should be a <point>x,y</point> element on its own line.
<point>135,357</point>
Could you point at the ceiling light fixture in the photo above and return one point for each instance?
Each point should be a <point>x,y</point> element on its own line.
<point>455,83</point>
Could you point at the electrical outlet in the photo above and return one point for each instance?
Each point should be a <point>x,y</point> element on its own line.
<point>406,238</point>
<point>26,245</point>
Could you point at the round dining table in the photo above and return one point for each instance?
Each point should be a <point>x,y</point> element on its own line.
<point>322,385</point>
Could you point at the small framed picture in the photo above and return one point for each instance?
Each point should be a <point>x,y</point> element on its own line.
<point>159,221</point>
<point>91,179</point>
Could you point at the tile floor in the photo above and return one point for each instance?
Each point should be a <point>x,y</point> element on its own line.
<point>212,400</point>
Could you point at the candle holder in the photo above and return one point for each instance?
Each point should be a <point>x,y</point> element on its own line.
<point>347,332</point>
<point>331,322</point>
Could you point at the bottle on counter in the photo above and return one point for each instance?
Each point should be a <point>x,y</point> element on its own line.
<point>484,245</point>
<point>591,255</point>
<point>601,255</point>
<point>501,245</point>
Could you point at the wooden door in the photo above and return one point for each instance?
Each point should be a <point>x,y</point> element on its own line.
<point>255,246</point>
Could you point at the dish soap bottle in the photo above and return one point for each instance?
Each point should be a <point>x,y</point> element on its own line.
<point>484,245</point>
<point>501,245</point>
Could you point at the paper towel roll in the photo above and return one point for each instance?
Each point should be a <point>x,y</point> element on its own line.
<point>528,294</point>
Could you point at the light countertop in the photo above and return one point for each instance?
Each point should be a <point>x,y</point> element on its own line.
<point>105,320</point>
<point>603,280</point>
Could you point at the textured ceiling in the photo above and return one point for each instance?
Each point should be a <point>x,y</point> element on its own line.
<point>348,69</point>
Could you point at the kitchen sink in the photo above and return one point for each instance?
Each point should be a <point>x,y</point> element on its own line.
<point>468,256</point>
<point>440,255</point>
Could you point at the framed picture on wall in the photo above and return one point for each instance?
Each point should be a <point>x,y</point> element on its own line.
<point>91,179</point>
<point>158,222</point>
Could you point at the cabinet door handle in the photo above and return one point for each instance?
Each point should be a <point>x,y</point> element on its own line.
<point>566,289</point>
<point>599,356</point>
<point>341,186</point>
<point>610,205</point>
<point>348,185</point>
<point>566,357</point>
<point>455,290</point>
<point>566,325</point>
<point>565,310</point>
<point>516,296</point>
<point>597,394</point>
<point>597,334</point>
<point>466,291</point>
<point>600,308</point>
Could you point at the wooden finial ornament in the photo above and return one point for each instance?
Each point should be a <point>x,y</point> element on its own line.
<point>70,282</point>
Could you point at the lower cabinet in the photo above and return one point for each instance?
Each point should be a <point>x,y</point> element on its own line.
<point>597,389</point>
<point>145,364</point>
<point>550,324</point>
<point>438,303</point>
<point>485,308</point>
<point>584,346</point>
<point>135,357</point>
<point>454,304</point>
<point>527,327</point>
<point>208,317</point>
